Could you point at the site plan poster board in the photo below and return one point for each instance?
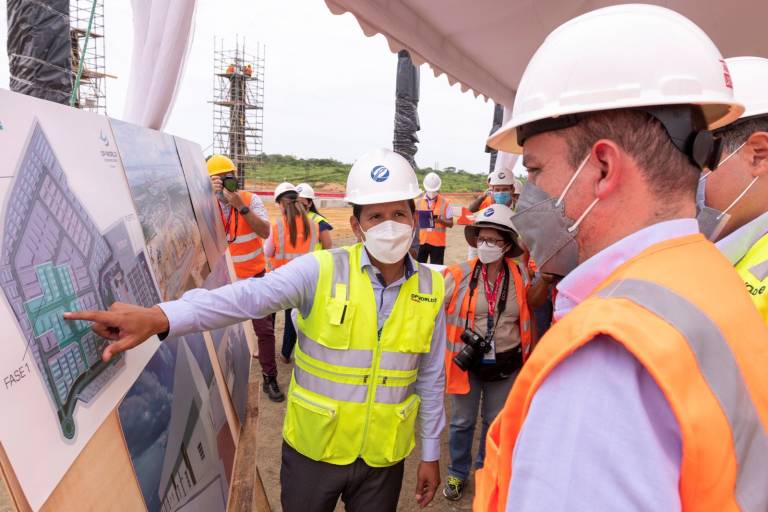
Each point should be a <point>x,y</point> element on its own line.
<point>176,430</point>
<point>70,239</point>
<point>161,196</point>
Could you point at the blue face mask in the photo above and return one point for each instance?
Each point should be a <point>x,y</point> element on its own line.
<point>502,198</point>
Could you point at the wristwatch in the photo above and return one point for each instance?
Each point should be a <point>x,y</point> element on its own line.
<point>244,210</point>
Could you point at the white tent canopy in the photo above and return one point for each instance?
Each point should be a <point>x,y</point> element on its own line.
<point>486,44</point>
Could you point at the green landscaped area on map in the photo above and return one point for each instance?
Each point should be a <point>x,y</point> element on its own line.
<point>45,312</point>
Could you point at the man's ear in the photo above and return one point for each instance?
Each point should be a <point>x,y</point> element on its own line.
<point>758,145</point>
<point>356,229</point>
<point>610,160</point>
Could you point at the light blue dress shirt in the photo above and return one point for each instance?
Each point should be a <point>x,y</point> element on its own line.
<point>600,435</point>
<point>293,286</point>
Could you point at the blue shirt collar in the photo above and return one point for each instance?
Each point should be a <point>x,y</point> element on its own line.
<point>410,265</point>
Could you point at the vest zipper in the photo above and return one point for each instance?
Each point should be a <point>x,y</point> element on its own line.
<point>372,385</point>
<point>309,401</point>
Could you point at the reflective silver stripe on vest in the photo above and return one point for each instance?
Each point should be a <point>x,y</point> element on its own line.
<point>240,258</point>
<point>455,347</point>
<point>334,390</point>
<point>313,235</point>
<point>280,248</point>
<point>241,239</point>
<point>455,318</point>
<point>760,271</point>
<point>399,361</point>
<point>721,372</point>
<point>347,357</point>
<point>425,280</point>
<point>393,394</point>
<point>340,270</point>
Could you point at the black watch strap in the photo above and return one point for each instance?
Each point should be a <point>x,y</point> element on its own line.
<point>244,210</point>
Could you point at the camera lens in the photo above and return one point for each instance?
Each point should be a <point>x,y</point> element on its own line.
<point>466,358</point>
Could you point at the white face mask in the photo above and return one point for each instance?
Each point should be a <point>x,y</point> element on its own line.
<point>389,241</point>
<point>488,253</point>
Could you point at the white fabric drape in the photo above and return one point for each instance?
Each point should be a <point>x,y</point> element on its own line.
<point>162,37</point>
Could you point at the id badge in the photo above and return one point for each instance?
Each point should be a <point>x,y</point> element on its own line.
<point>490,356</point>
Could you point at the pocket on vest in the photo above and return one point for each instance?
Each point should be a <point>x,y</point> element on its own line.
<point>336,333</point>
<point>309,424</point>
<point>393,428</point>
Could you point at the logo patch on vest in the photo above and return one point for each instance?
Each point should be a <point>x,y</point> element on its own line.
<point>415,297</point>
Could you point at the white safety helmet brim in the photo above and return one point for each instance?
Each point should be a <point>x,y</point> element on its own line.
<point>567,73</point>
<point>750,77</point>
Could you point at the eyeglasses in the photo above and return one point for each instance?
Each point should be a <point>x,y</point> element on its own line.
<point>490,241</point>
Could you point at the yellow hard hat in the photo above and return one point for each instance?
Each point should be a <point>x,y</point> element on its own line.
<point>218,164</point>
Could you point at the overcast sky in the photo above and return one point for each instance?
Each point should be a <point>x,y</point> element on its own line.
<point>329,90</point>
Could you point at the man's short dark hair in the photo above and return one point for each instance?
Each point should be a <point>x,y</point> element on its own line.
<point>357,209</point>
<point>668,171</point>
<point>736,134</point>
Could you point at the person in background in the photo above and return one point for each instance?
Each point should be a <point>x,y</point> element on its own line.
<point>246,224</point>
<point>489,335</point>
<point>500,191</point>
<point>369,362</point>
<point>293,234</point>
<point>432,211</point>
<point>307,199</point>
<point>736,191</point>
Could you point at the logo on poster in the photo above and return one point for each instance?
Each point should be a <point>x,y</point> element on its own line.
<point>108,156</point>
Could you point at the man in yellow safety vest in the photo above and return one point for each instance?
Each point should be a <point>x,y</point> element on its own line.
<point>369,359</point>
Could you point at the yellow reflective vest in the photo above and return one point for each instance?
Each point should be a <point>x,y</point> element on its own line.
<point>317,218</point>
<point>753,269</point>
<point>351,394</point>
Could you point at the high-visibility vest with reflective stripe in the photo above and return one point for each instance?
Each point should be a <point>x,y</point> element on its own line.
<point>458,306</point>
<point>434,236</point>
<point>247,250</point>
<point>317,219</point>
<point>281,237</point>
<point>753,269</point>
<point>352,390</point>
<point>681,311</point>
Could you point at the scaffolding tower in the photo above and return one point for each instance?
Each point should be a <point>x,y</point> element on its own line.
<point>238,104</point>
<point>92,92</point>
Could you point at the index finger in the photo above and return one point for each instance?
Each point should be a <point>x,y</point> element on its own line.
<point>102,317</point>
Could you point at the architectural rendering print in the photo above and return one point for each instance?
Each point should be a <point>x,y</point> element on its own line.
<point>55,259</point>
<point>160,195</point>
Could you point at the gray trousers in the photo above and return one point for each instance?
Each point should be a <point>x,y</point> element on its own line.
<point>311,486</point>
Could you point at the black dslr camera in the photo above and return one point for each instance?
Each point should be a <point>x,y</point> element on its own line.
<point>229,183</point>
<point>475,347</point>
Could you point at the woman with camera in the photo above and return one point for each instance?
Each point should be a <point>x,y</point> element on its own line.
<point>292,235</point>
<point>489,335</point>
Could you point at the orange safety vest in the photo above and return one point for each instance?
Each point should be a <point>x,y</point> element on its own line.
<point>284,250</point>
<point>246,247</point>
<point>459,306</point>
<point>488,201</point>
<point>681,311</point>
<point>434,236</point>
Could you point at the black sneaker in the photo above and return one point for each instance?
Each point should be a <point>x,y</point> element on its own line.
<point>271,388</point>
<point>453,489</point>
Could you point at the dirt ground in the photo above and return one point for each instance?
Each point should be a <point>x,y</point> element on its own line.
<point>271,414</point>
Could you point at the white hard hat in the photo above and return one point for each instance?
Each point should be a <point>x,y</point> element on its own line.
<point>502,177</point>
<point>305,191</point>
<point>381,176</point>
<point>282,189</point>
<point>432,182</point>
<point>496,216</point>
<point>618,57</point>
<point>750,79</point>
